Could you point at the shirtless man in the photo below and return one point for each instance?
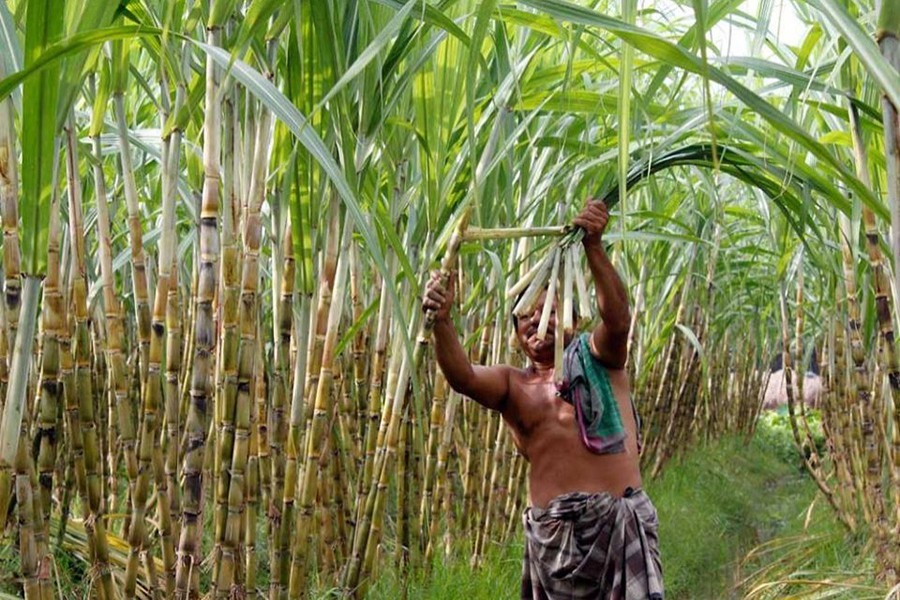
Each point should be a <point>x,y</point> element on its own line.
<point>590,531</point>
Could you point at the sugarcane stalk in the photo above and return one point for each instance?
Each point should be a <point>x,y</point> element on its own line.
<point>376,418</point>
<point>53,320</point>
<point>526,279</point>
<point>442,476</point>
<point>229,349</point>
<point>120,399</point>
<point>324,541</point>
<point>9,204</point>
<point>187,576</point>
<point>138,261</point>
<point>536,286</point>
<point>401,545</point>
<point>881,284</point>
<point>322,407</point>
<point>152,401</point>
<point>14,408</point>
<point>888,37</point>
<point>253,487</point>
<point>479,439</point>
<point>550,297</point>
<point>568,292</point>
<point>490,462</point>
<point>500,465</point>
<point>272,443</point>
<point>473,234</point>
<point>246,359</point>
<point>360,343</point>
<point>12,284</point>
<point>338,509</point>
<point>365,510</point>
<point>31,558</point>
<point>435,425</point>
<point>303,412</point>
<point>170,436</point>
<point>221,446</point>
<point>383,471</point>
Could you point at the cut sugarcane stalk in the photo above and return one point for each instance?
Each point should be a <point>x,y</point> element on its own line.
<point>528,277</point>
<point>568,274</point>
<point>584,305</point>
<point>537,284</point>
<point>559,350</point>
<point>477,233</point>
<point>551,295</point>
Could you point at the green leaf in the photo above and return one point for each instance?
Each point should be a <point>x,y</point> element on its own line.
<point>433,16</point>
<point>841,138</point>
<point>626,70</point>
<point>10,50</point>
<point>862,43</point>
<point>676,56</point>
<point>381,40</point>
<point>889,18</point>
<point>255,21</point>
<point>691,337</point>
<point>95,15</point>
<point>44,25</point>
<point>80,42</point>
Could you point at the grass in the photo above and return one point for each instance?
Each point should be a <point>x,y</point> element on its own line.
<point>498,577</point>
<point>716,504</point>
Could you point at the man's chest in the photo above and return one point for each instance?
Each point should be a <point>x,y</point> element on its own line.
<point>537,408</point>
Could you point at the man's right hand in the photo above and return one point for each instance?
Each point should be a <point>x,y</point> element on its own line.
<point>437,297</point>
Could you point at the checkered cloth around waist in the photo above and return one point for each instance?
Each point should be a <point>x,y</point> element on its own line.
<point>592,546</point>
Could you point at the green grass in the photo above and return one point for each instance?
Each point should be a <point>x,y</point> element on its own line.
<point>716,503</point>
<point>498,577</point>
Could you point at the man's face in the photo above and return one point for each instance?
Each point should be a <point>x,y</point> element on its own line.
<point>526,331</point>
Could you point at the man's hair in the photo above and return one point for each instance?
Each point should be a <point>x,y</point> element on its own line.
<point>515,319</point>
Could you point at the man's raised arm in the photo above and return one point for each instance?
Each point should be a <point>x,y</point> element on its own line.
<point>609,340</point>
<point>489,386</point>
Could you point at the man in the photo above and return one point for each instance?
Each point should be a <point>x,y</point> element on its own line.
<point>590,530</point>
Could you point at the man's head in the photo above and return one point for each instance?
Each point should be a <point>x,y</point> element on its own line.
<point>526,327</point>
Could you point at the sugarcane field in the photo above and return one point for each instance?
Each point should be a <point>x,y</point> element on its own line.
<point>450,299</point>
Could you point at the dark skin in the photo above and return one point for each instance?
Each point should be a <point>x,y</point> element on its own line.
<point>543,424</point>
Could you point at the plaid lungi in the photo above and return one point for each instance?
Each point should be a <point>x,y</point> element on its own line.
<point>592,546</point>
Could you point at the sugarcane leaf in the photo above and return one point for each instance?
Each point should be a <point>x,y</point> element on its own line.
<point>433,16</point>
<point>626,70</point>
<point>255,20</point>
<point>862,43</point>
<point>479,32</point>
<point>44,25</point>
<point>351,332</point>
<point>660,48</point>
<point>79,42</point>
<point>94,15</point>
<point>368,55</point>
<point>219,10</point>
<point>10,50</point>
<point>715,13</point>
<point>793,77</point>
<point>809,42</point>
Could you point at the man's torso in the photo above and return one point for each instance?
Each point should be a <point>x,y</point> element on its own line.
<point>546,433</point>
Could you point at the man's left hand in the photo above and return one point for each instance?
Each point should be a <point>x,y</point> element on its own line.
<point>593,219</point>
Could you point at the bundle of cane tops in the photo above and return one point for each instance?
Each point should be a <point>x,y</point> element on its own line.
<point>559,274</point>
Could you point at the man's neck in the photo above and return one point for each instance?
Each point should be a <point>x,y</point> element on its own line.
<point>543,369</point>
